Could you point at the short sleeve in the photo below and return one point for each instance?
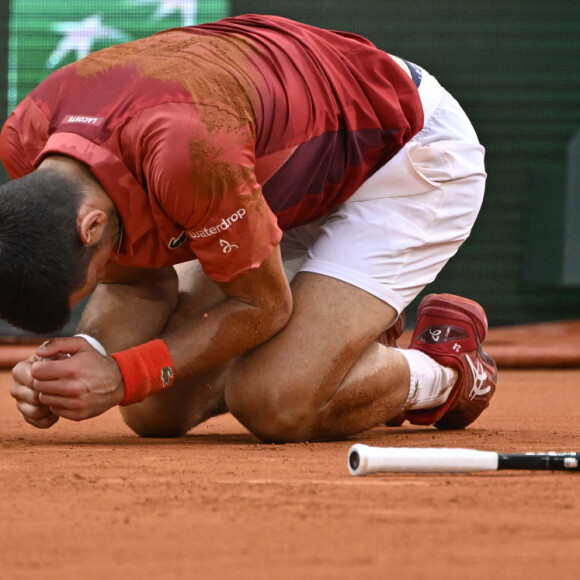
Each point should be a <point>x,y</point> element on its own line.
<point>22,139</point>
<point>198,163</point>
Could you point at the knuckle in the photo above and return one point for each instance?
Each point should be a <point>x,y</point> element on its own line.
<point>31,411</point>
<point>20,372</point>
<point>72,415</point>
<point>44,399</point>
<point>43,422</point>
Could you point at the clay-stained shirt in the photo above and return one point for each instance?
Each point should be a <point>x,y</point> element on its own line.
<point>212,139</point>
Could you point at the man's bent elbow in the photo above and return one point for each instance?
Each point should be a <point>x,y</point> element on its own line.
<point>272,314</point>
<point>282,313</point>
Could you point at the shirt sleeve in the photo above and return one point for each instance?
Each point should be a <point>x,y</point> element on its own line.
<point>22,138</point>
<point>198,163</point>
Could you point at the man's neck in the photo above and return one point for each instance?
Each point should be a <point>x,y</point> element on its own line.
<point>95,195</point>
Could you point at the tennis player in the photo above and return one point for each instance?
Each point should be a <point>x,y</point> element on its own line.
<point>251,205</point>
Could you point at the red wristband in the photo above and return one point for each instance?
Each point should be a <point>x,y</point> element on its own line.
<point>145,368</point>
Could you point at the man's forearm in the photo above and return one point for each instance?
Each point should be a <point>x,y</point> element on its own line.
<point>202,342</point>
<point>124,314</point>
<point>255,306</point>
<point>195,339</point>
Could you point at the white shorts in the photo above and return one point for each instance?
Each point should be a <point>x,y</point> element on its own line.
<point>395,234</point>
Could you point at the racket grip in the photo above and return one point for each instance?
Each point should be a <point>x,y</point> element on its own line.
<point>363,460</point>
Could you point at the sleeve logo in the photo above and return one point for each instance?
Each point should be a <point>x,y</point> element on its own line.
<point>208,232</point>
<point>227,247</point>
<point>224,225</point>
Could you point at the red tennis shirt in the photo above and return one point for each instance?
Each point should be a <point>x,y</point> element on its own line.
<point>212,139</point>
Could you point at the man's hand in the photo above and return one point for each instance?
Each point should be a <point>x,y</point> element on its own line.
<point>76,382</point>
<point>27,401</point>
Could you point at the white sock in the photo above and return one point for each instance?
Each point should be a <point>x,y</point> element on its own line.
<point>430,384</point>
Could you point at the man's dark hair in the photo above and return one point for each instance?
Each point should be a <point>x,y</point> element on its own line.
<point>42,258</point>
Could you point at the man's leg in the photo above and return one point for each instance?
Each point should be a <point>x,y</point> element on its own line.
<point>324,375</point>
<point>173,412</point>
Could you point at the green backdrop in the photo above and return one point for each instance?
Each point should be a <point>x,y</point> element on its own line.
<point>515,68</point>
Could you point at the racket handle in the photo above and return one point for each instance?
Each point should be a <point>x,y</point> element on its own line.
<point>364,459</point>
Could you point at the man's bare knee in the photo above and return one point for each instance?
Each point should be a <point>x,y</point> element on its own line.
<point>273,410</point>
<point>153,425</point>
<point>175,411</point>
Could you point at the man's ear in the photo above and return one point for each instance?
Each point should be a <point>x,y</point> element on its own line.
<point>92,227</point>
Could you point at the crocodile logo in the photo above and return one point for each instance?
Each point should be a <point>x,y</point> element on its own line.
<point>167,376</point>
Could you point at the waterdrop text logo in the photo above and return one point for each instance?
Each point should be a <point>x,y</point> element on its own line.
<point>224,225</point>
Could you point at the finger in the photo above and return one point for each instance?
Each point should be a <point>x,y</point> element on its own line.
<point>60,367</point>
<point>62,346</point>
<point>72,409</point>
<point>21,372</point>
<point>56,387</point>
<point>57,402</point>
<point>35,412</point>
<point>52,370</point>
<point>72,415</point>
<point>24,394</point>
<point>43,423</point>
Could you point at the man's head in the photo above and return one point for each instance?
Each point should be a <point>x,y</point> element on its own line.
<point>44,255</point>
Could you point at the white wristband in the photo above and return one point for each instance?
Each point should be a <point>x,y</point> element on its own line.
<point>94,343</point>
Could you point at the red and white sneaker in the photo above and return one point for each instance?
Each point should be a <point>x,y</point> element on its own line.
<point>450,330</point>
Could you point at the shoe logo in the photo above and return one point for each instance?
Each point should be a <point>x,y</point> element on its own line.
<point>456,347</point>
<point>435,334</point>
<point>479,379</point>
<point>439,333</point>
<point>227,247</point>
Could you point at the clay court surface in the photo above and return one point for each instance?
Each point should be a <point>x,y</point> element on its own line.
<point>93,501</point>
